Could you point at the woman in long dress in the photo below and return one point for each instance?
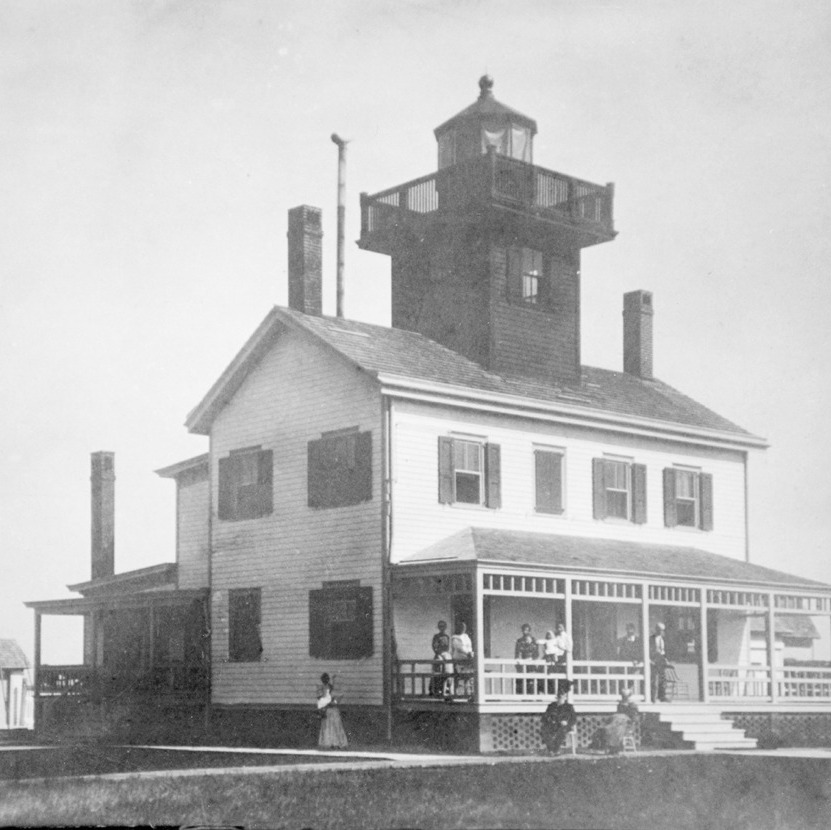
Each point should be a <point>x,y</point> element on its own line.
<point>331,735</point>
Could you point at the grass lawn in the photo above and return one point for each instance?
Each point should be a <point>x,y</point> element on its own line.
<point>678,791</point>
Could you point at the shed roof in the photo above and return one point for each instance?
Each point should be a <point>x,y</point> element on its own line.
<point>12,656</point>
<point>605,556</point>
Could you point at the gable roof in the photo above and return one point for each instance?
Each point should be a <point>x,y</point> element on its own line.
<point>409,358</point>
<point>607,556</point>
<point>12,656</point>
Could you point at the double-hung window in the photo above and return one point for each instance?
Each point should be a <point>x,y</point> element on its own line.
<point>688,498</point>
<point>526,279</point>
<point>469,472</point>
<point>619,490</point>
<point>245,484</point>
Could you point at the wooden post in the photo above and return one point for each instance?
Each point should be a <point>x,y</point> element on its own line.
<point>703,651</point>
<point>568,624</point>
<point>772,645</point>
<point>479,647</point>
<point>647,669</point>
<point>36,671</point>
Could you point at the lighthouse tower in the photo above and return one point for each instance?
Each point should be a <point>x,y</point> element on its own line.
<point>485,252</point>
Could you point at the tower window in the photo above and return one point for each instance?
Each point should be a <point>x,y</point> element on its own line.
<point>526,278</point>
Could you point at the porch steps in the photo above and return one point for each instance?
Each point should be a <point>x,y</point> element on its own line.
<point>703,727</point>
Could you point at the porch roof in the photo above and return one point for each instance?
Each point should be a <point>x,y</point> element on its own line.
<point>605,556</point>
<point>139,599</point>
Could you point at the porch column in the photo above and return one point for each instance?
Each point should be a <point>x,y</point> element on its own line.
<point>704,656</point>
<point>570,630</point>
<point>479,647</point>
<point>647,668</point>
<point>772,645</point>
<point>36,670</point>
<point>151,633</point>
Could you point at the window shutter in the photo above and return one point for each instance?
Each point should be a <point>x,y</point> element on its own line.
<point>318,645</point>
<point>445,470</point>
<point>363,646</point>
<point>265,480</point>
<point>313,473</point>
<point>599,488</point>
<point>706,485</point>
<point>549,484</point>
<point>493,476</point>
<point>363,467</point>
<point>225,507</point>
<point>670,508</point>
<point>639,494</point>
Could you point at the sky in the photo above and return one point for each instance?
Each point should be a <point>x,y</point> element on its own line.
<point>150,151</point>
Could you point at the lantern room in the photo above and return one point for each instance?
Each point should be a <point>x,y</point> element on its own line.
<point>485,124</point>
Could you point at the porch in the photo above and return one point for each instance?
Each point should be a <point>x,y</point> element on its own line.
<point>740,636</point>
<point>142,646</point>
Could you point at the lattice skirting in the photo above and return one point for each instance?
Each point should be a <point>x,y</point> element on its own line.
<point>785,728</point>
<point>522,732</point>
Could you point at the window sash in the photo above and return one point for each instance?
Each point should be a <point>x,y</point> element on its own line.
<point>467,472</point>
<point>687,498</point>
<point>618,486</point>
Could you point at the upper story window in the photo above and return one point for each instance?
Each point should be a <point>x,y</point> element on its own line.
<point>619,489</point>
<point>688,498</point>
<point>548,470</point>
<point>245,484</point>
<point>244,643</point>
<point>340,621</point>
<point>469,472</point>
<point>340,469</point>
<point>527,281</point>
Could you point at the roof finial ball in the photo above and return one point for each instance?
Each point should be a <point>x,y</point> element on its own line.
<point>485,86</point>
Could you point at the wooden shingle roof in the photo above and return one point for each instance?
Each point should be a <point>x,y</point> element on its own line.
<point>407,356</point>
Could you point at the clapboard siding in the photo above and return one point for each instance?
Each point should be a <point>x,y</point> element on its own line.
<point>420,520</point>
<point>192,508</point>
<point>299,390</point>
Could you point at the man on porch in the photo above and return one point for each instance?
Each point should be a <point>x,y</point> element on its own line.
<point>658,659</point>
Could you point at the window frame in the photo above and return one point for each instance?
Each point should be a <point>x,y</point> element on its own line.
<point>239,649</point>
<point>489,473</point>
<point>702,500</point>
<point>636,491</point>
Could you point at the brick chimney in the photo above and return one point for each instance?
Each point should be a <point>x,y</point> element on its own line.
<point>637,334</point>
<point>305,237</point>
<point>103,514</point>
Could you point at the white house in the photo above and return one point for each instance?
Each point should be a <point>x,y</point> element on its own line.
<point>364,482</point>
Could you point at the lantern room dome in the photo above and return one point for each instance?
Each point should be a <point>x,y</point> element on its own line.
<point>485,124</point>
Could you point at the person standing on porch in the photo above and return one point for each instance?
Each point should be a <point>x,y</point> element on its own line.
<point>561,649</point>
<point>461,650</point>
<point>442,658</point>
<point>526,650</point>
<point>658,661</point>
<point>629,646</point>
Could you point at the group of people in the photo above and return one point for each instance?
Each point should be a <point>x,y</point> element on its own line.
<point>452,662</point>
<point>553,650</point>
<point>629,648</point>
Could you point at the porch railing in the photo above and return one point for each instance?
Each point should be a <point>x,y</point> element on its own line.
<point>434,680</point>
<point>506,680</point>
<point>96,680</point>
<point>731,682</point>
<point>803,683</point>
<point>491,178</point>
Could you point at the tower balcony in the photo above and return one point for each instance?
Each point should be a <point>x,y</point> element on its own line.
<point>483,188</point>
